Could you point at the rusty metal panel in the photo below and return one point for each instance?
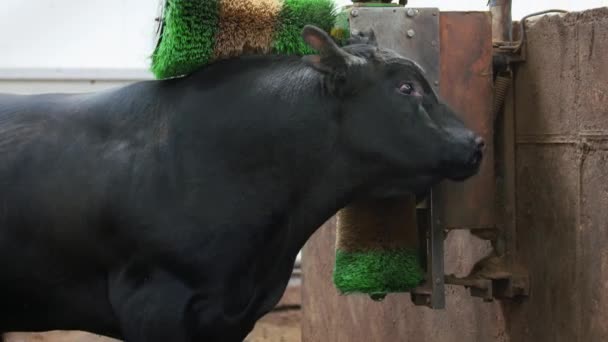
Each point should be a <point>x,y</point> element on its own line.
<point>562,179</point>
<point>592,108</point>
<point>549,96</point>
<point>592,50</point>
<point>327,316</point>
<point>547,186</point>
<point>594,236</point>
<point>466,84</point>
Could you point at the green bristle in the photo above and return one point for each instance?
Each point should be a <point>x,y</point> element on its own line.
<point>341,30</point>
<point>377,273</point>
<point>294,16</point>
<point>187,38</point>
<point>189,29</point>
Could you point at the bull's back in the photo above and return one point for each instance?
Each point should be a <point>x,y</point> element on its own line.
<point>66,168</point>
<point>44,153</point>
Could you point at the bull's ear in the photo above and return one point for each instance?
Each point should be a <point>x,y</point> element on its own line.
<point>330,58</point>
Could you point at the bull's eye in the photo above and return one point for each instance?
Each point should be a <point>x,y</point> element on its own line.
<point>406,88</point>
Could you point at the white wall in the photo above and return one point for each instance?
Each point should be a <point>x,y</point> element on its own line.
<point>76,33</point>
<point>119,33</point>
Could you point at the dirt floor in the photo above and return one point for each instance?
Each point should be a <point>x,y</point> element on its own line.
<point>282,325</point>
<point>276,327</point>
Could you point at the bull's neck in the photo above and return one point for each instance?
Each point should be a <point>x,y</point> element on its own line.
<point>279,138</point>
<point>280,103</point>
<point>324,175</point>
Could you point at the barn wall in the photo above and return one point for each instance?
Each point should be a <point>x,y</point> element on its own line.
<point>560,103</point>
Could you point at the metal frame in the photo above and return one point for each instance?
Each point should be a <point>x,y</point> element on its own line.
<point>430,225</point>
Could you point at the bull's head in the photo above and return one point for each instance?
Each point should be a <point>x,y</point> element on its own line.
<point>391,118</point>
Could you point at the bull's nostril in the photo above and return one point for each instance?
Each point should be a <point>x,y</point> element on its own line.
<point>480,143</point>
<point>477,157</point>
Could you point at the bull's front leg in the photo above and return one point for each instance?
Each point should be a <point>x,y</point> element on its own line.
<point>154,304</point>
<point>151,304</point>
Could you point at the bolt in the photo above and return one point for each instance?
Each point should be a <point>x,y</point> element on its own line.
<point>434,42</point>
<point>437,281</point>
<point>434,14</point>
<point>354,32</point>
<point>411,33</point>
<point>437,83</point>
<point>354,13</point>
<point>411,12</point>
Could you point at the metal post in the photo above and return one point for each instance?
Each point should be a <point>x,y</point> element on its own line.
<point>502,27</point>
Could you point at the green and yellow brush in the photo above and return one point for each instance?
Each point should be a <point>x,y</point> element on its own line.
<point>377,248</point>
<point>197,32</point>
<point>377,243</point>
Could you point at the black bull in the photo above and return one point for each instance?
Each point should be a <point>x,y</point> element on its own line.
<point>173,210</point>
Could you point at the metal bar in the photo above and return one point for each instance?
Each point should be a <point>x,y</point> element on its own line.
<point>522,24</point>
<point>436,270</point>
